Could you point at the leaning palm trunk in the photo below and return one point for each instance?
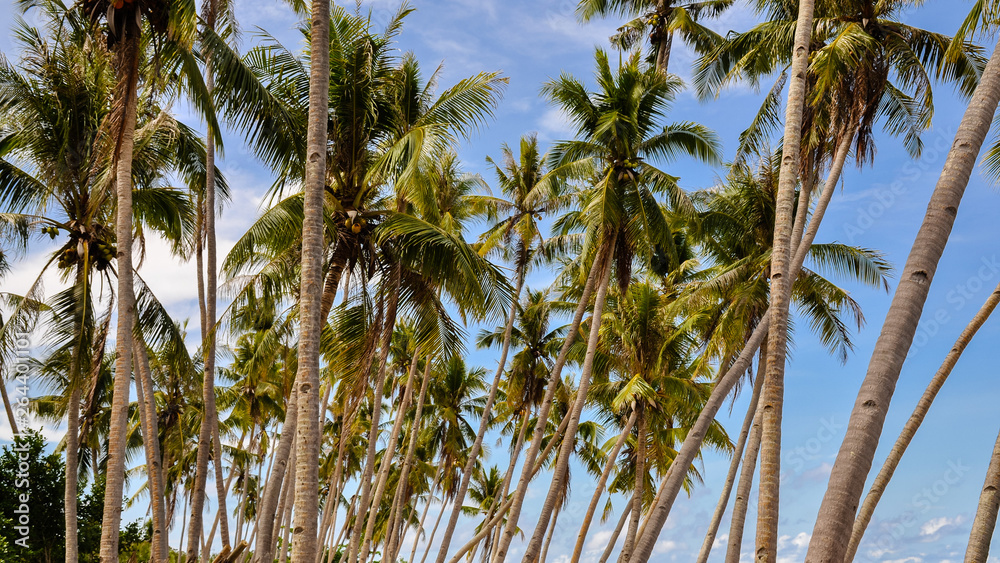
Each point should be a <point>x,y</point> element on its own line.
<point>847,479</point>
<point>913,424</point>
<point>160,552</point>
<point>978,550</point>
<point>404,473</point>
<point>423,517</point>
<point>272,491</point>
<point>742,501</point>
<point>509,475</point>
<point>127,70</point>
<point>366,476</point>
<point>527,471</point>
<point>640,469</point>
<point>614,535</point>
<point>309,429</point>
<point>781,282</point>
<point>734,465</point>
<point>484,422</point>
<point>388,456</point>
<point>561,472</point>
<point>696,435</point>
<point>581,538</point>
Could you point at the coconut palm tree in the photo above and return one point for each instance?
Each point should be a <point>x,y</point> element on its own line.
<point>619,132</point>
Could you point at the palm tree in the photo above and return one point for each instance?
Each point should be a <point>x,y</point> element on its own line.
<point>659,19</point>
<point>517,237</point>
<point>865,425</point>
<point>619,130</point>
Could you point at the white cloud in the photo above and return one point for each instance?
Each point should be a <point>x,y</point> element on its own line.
<point>555,124</point>
<point>664,546</point>
<point>934,525</point>
<point>599,540</point>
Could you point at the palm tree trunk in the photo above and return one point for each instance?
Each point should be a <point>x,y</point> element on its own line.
<point>978,550</point>
<point>389,455</point>
<point>568,443</point>
<point>527,470</point>
<point>227,486</point>
<point>734,465</point>
<point>477,446</point>
<point>618,531</point>
<point>548,536</point>
<point>437,521</point>
<point>847,479</point>
<point>509,475</point>
<point>285,503</point>
<point>913,424</point>
<point>7,407</point>
<point>269,500</point>
<point>781,281</point>
<point>151,439</point>
<point>742,502</point>
<point>640,469</point>
<point>423,517</point>
<point>366,476</point>
<point>72,471</point>
<point>309,429</point>
<point>286,518</point>
<point>404,474</point>
<point>127,71</point>
<point>692,442</point>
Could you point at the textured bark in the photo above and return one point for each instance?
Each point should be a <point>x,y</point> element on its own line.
<point>127,71</point>
<point>696,435</point>
<point>309,429</point>
<point>484,422</point>
<point>72,472</point>
<point>269,500</point>
<point>978,550</point>
<point>666,38</point>
<point>781,280</point>
<point>561,472</point>
<point>581,538</point>
<point>734,465</point>
<point>914,422</point>
<point>640,468</point>
<point>287,517</point>
<point>160,549</point>
<point>527,471</point>
<point>854,460</point>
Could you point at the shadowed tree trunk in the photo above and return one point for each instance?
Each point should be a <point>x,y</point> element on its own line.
<point>978,550</point>
<point>854,460</point>
<point>160,551</point>
<point>127,73</point>
<point>913,424</point>
<point>72,471</point>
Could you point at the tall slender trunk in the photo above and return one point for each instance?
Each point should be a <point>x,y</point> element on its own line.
<point>437,521</point>
<point>7,407</point>
<point>228,484</point>
<point>509,474</point>
<point>665,38</point>
<point>388,456</point>
<point>847,479</point>
<point>309,430</point>
<point>366,476</point>
<point>742,502</point>
<point>640,469</point>
<point>151,440</point>
<point>404,474</point>
<point>286,518</point>
<point>284,503</point>
<point>913,424</point>
<point>269,500</point>
<point>724,384</point>
<point>978,550</point>
<point>581,538</point>
<point>423,517</point>
<point>127,71</point>
<point>527,470</point>
<point>781,281</point>
<point>72,471</point>
<point>618,532</point>
<point>561,471</point>
<point>734,465</point>
<point>484,422</point>
<point>548,536</point>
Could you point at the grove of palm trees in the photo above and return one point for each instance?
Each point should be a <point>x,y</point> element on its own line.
<point>451,281</point>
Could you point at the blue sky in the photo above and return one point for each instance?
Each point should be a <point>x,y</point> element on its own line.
<point>926,513</point>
